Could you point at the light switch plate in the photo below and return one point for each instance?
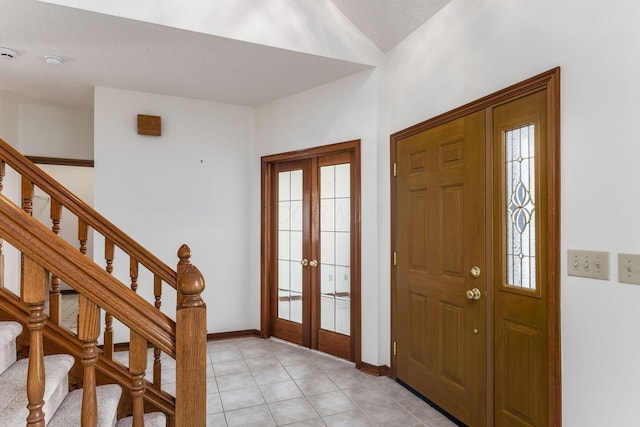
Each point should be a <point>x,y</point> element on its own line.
<point>629,268</point>
<point>592,264</point>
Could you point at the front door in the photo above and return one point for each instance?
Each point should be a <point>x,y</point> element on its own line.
<point>440,265</point>
<point>312,250</point>
<point>475,312</point>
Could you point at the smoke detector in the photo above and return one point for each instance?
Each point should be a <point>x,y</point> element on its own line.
<point>53,60</point>
<point>5,52</point>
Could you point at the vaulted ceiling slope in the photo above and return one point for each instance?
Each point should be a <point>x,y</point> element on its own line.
<point>246,52</point>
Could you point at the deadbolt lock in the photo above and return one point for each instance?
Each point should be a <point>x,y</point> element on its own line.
<point>475,272</point>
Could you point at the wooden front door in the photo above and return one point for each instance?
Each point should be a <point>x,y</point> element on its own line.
<point>475,314</point>
<point>311,261</point>
<point>440,257</point>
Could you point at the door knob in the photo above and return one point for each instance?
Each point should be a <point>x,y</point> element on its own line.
<point>304,262</point>
<point>475,272</point>
<point>313,263</point>
<point>474,294</point>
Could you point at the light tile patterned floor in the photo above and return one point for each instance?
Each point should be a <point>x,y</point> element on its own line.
<point>253,382</point>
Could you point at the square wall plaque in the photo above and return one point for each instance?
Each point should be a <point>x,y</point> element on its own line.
<point>149,125</point>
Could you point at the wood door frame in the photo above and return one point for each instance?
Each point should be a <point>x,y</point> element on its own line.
<point>268,212</point>
<point>549,80</point>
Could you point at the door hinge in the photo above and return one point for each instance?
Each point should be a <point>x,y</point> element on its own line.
<point>395,169</point>
<point>395,258</point>
<point>395,349</point>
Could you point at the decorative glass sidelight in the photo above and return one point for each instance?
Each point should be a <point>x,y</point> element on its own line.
<point>290,245</point>
<point>335,248</point>
<point>520,207</point>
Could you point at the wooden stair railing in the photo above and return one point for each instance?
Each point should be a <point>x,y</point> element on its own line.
<point>46,258</point>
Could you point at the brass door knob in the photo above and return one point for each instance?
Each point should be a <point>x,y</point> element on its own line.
<point>313,263</point>
<point>475,272</point>
<point>474,294</point>
<point>304,262</point>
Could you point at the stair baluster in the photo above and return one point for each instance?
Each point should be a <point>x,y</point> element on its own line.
<point>55,296</point>
<point>34,293</point>
<point>191,344</point>
<point>27,195</point>
<point>133,273</point>
<point>88,331</point>
<point>157,362</point>
<point>137,368</point>
<point>108,318</point>
<point>83,233</point>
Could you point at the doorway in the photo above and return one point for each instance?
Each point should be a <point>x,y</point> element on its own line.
<point>475,232</point>
<point>310,248</point>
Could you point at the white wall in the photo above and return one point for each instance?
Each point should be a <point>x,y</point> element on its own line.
<point>49,131</point>
<point>474,47</point>
<point>190,185</point>
<point>344,110</point>
<point>52,131</point>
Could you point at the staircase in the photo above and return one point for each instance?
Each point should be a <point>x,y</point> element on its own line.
<point>104,392</point>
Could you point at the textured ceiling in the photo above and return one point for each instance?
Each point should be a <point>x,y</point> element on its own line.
<point>102,50</point>
<point>387,22</point>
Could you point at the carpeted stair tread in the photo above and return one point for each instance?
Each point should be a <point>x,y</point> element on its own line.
<point>13,389</point>
<point>69,413</point>
<point>153,419</point>
<point>9,331</point>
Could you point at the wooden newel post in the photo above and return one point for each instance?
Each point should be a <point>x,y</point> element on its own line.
<point>191,344</point>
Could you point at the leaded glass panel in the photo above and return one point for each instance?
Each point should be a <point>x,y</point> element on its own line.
<point>520,207</point>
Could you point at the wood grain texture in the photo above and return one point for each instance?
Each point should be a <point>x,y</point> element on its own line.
<point>34,294</point>
<point>137,367</point>
<point>149,125</point>
<point>191,344</point>
<point>60,258</point>
<point>551,81</point>
<point>308,332</point>
<point>88,331</point>
<point>60,161</point>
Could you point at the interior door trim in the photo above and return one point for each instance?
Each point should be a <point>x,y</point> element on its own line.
<point>549,80</point>
<point>268,212</point>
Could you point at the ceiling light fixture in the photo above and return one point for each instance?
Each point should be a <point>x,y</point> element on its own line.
<point>5,52</point>
<point>52,59</point>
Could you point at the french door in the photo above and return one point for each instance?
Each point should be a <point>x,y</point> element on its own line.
<point>310,248</point>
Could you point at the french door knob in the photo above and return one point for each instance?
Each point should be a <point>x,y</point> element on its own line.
<point>475,272</point>
<point>474,294</point>
<point>304,262</point>
<point>313,263</point>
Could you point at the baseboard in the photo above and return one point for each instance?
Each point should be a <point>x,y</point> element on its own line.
<point>124,346</point>
<point>233,334</point>
<point>378,371</point>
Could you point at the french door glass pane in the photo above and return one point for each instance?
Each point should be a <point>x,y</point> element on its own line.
<point>520,207</point>
<point>335,248</point>
<point>290,245</point>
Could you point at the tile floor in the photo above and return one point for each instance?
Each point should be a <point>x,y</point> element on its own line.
<point>253,382</point>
